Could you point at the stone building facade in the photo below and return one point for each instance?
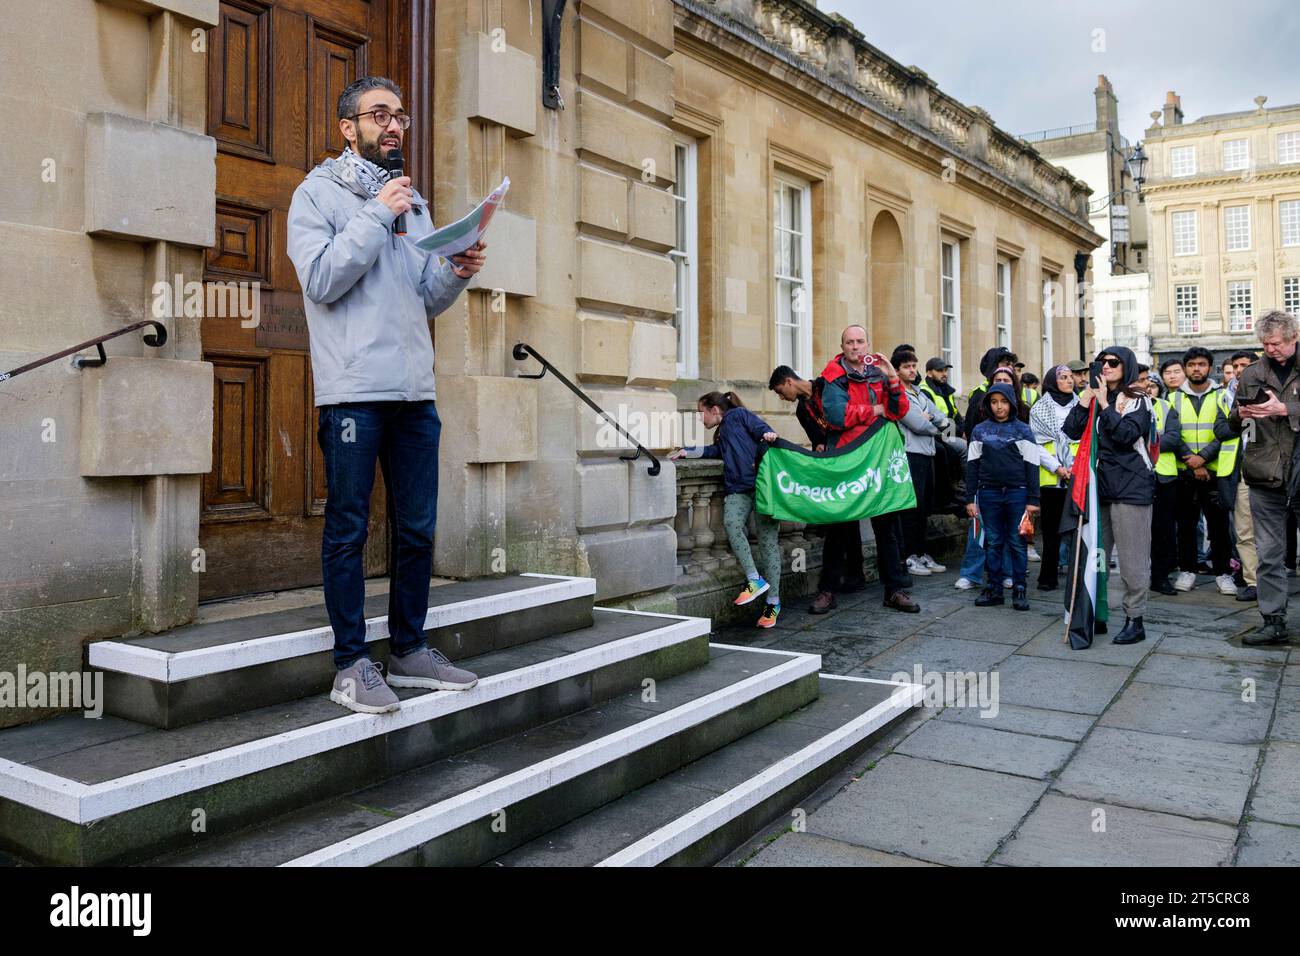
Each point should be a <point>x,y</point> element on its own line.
<point>159,157</point>
<point>1224,198</point>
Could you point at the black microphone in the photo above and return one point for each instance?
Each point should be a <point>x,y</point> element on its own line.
<point>395,164</point>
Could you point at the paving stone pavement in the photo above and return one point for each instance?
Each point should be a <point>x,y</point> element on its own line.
<point>1183,750</point>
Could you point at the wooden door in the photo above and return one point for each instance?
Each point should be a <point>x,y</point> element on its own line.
<point>276,68</point>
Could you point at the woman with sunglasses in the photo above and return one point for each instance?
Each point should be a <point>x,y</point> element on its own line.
<point>1125,476</point>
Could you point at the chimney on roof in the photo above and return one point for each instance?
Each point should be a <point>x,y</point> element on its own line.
<point>1107,105</point>
<point>1173,109</point>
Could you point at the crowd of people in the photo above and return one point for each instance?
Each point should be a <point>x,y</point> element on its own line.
<point>1182,458</point>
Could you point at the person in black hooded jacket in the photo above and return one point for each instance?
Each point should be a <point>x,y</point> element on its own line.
<point>998,357</point>
<point>1125,476</point>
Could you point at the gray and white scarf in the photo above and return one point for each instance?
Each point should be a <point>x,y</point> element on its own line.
<point>369,176</point>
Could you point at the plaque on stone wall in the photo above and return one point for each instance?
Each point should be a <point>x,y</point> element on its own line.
<point>283,322</point>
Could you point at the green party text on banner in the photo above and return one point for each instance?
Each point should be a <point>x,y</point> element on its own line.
<point>866,478</point>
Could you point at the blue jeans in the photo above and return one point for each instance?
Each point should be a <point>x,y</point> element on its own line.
<point>972,562</point>
<point>1001,510</point>
<point>403,438</point>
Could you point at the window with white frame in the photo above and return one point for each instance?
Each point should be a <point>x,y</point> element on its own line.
<point>1187,310</point>
<point>1050,305</point>
<point>1241,317</point>
<point>1291,294</point>
<point>1236,227</point>
<point>1288,148</point>
<point>1184,225</point>
<point>1182,161</point>
<point>1124,322</point>
<point>1236,154</point>
<point>950,303</point>
<point>1003,298</point>
<point>1289,214</point>
<point>792,272</point>
<point>686,259</point>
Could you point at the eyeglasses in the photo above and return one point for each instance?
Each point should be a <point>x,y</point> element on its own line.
<point>1111,362</point>
<point>383,117</point>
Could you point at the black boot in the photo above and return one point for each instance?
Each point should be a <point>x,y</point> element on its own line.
<point>990,596</point>
<point>1132,633</point>
<point>1019,600</point>
<point>1272,631</point>
<point>1163,586</point>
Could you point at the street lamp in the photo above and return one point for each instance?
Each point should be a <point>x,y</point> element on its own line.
<point>1137,168</point>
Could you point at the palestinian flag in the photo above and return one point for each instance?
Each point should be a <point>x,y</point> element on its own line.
<point>867,477</point>
<point>1086,605</point>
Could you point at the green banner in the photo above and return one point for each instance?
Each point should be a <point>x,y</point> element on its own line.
<point>866,478</point>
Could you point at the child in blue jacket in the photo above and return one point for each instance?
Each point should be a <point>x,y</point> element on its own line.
<point>736,443</point>
<point>1002,478</point>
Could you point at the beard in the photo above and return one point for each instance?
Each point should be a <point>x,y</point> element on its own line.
<point>370,149</point>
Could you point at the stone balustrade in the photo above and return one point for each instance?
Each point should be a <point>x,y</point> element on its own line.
<point>830,44</point>
<point>702,546</point>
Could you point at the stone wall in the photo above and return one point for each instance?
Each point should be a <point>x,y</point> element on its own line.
<point>580,274</point>
<point>99,468</point>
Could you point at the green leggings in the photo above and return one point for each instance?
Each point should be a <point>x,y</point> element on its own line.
<point>735,518</point>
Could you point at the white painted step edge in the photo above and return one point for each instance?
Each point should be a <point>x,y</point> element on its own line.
<point>390,839</point>
<point>85,803</point>
<point>166,667</point>
<point>672,838</point>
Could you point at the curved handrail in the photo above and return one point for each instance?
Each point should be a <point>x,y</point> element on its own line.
<point>522,351</point>
<point>157,339</point>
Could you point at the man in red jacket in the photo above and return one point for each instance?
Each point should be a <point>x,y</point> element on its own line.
<point>860,387</point>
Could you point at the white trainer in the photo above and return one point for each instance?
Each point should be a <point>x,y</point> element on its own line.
<point>1006,582</point>
<point>933,565</point>
<point>1034,555</point>
<point>1226,585</point>
<point>964,584</point>
<point>917,567</point>
<point>1185,581</point>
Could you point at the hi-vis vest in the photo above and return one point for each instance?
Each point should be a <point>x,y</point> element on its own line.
<point>1048,479</point>
<point>1028,396</point>
<point>945,403</point>
<point>1166,464</point>
<point>1198,430</point>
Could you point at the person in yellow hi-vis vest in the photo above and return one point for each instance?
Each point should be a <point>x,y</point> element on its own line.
<point>1057,455</point>
<point>1164,506</point>
<point>1029,393</point>
<point>1202,407</point>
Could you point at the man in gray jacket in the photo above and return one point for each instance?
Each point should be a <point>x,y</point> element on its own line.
<point>1267,407</point>
<point>921,426</point>
<point>369,294</point>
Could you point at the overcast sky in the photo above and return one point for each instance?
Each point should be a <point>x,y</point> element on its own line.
<point>1031,63</point>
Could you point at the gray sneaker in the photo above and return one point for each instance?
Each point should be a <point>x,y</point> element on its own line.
<point>361,687</point>
<point>428,669</point>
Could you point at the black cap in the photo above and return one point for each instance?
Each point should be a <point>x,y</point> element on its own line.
<point>935,364</point>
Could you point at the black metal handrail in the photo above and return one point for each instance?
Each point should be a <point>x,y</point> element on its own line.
<point>522,352</point>
<point>157,339</point>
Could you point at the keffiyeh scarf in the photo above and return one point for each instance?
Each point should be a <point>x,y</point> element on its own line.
<point>370,177</point>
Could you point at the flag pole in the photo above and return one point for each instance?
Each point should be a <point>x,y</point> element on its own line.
<point>1074,577</point>
<point>1078,532</point>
